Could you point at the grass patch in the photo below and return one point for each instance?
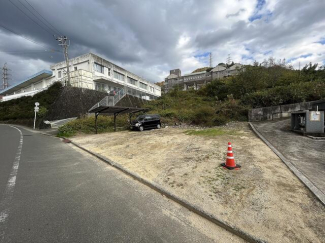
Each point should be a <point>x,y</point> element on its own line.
<point>212,132</point>
<point>86,125</point>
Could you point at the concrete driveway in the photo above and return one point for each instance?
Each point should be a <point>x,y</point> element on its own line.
<point>306,154</point>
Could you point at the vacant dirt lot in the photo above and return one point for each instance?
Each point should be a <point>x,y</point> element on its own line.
<point>263,198</point>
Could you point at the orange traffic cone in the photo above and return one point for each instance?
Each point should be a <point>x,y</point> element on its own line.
<point>230,161</point>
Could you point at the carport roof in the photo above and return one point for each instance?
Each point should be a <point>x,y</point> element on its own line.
<point>112,110</point>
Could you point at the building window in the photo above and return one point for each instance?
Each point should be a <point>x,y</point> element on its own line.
<point>98,68</point>
<point>132,81</point>
<point>118,76</point>
<point>143,85</point>
<point>101,87</point>
<point>152,89</point>
<point>75,68</point>
<point>60,74</point>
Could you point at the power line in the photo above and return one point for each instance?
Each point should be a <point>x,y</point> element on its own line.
<point>53,28</point>
<point>6,28</point>
<point>49,27</point>
<point>31,18</point>
<point>36,17</point>
<point>27,51</point>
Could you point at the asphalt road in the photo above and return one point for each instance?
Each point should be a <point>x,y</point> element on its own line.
<point>52,192</point>
<point>306,154</point>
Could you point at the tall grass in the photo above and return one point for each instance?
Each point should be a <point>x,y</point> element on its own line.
<point>86,125</point>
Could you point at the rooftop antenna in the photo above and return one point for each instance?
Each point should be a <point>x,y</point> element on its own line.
<point>5,76</point>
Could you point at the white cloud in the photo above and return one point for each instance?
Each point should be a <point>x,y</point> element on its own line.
<point>154,37</point>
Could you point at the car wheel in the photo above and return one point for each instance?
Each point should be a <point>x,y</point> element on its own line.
<point>141,128</point>
<point>158,126</point>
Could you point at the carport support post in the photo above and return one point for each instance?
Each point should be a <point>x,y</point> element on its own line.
<point>96,115</point>
<point>115,115</point>
<point>130,117</point>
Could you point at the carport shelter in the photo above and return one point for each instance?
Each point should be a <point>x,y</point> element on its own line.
<point>115,111</point>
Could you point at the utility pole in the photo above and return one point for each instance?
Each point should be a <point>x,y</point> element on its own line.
<point>65,42</point>
<point>211,59</point>
<point>5,76</point>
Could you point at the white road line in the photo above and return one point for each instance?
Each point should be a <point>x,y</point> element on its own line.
<point>9,191</point>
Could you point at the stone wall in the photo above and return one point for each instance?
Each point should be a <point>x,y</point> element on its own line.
<point>73,102</point>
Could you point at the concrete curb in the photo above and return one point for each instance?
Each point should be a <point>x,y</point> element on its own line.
<point>39,131</point>
<point>316,138</point>
<point>318,193</point>
<point>234,230</point>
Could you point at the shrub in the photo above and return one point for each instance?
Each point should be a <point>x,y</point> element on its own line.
<point>231,110</point>
<point>220,120</point>
<point>204,115</point>
<point>169,113</point>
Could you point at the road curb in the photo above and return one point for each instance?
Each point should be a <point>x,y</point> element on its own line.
<point>39,131</point>
<point>234,230</point>
<point>318,193</point>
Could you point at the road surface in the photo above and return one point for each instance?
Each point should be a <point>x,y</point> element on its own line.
<point>306,154</point>
<point>53,192</point>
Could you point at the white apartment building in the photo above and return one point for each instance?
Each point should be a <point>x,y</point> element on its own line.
<point>199,79</point>
<point>86,71</point>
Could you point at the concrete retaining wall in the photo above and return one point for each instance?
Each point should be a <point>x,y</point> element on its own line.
<point>281,111</point>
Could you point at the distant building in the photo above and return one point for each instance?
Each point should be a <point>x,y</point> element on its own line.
<point>88,71</point>
<point>199,79</point>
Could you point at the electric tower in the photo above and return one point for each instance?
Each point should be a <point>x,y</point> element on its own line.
<point>211,59</point>
<point>5,76</point>
<point>229,59</point>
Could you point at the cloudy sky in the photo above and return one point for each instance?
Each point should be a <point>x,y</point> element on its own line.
<point>150,37</point>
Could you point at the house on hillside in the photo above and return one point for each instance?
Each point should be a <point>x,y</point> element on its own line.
<point>87,71</point>
<point>196,80</point>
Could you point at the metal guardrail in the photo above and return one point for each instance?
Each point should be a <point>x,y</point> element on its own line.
<point>110,100</point>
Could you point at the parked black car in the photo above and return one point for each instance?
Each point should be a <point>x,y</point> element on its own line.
<point>145,122</point>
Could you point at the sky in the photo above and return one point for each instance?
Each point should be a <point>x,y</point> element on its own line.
<point>151,37</point>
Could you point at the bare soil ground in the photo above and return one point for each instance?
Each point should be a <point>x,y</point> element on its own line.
<point>263,198</point>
